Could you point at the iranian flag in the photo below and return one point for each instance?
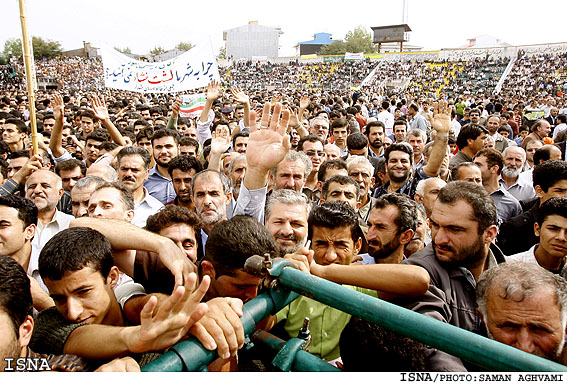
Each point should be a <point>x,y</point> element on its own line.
<point>192,105</point>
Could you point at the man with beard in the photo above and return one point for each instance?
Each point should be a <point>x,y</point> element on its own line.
<point>463,227</point>
<point>375,134</point>
<point>165,146</point>
<point>520,188</point>
<point>286,219</point>
<point>236,173</point>
<point>525,306</point>
<point>392,224</point>
<point>133,164</point>
<point>210,192</point>
<point>182,169</point>
<point>399,157</point>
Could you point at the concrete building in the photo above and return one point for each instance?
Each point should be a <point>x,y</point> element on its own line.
<point>252,40</point>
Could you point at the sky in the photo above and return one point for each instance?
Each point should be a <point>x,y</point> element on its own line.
<point>142,25</point>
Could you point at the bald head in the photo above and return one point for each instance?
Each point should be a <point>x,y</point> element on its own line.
<point>44,188</point>
<point>107,173</point>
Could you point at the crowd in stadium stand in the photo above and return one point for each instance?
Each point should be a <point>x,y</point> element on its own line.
<point>414,188</point>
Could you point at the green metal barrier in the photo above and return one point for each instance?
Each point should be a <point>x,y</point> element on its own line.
<point>486,353</point>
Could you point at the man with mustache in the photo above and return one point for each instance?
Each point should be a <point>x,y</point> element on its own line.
<point>165,145</point>
<point>520,188</point>
<point>133,164</point>
<point>182,169</point>
<point>45,188</point>
<point>525,306</point>
<point>463,228</point>
<point>375,134</point>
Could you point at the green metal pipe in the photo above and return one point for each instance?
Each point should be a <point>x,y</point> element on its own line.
<point>471,347</point>
<point>190,355</point>
<point>302,362</point>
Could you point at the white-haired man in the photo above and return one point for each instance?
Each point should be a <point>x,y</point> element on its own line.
<point>520,188</point>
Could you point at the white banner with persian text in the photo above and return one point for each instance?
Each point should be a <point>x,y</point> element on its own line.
<point>354,56</point>
<point>191,70</point>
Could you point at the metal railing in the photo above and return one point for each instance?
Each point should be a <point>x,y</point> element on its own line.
<point>286,281</point>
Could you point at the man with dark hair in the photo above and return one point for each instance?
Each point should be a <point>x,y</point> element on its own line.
<point>470,141</point>
<point>550,227</point>
<point>188,146</point>
<point>517,234</point>
<point>392,224</point>
<point>400,131</point>
<point>144,140</point>
<point>375,132</point>
<point>133,165</point>
<point>165,146</point>
<point>467,171</point>
<point>70,171</point>
<point>340,131</point>
<point>330,168</point>
<point>181,226</point>
<point>240,142</point>
<point>415,119</point>
<point>493,124</point>
<point>88,121</point>
<point>399,157</point>
<point>17,324</point>
<point>341,188</point>
<point>182,169</point>
<point>92,325</point>
<point>312,146</point>
<point>336,239</point>
<point>111,200</point>
<point>525,306</point>
<point>463,227</point>
<point>490,163</point>
<point>14,133</point>
<point>92,145</point>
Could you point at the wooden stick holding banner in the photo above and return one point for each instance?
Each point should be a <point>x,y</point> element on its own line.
<point>28,62</point>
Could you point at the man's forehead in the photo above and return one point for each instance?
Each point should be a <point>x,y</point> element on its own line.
<point>336,186</point>
<point>289,165</point>
<point>335,233</point>
<point>8,213</point>
<point>178,173</point>
<point>208,181</point>
<point>312,145</point>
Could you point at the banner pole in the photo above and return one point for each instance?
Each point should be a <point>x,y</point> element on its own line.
<point>28,62</point>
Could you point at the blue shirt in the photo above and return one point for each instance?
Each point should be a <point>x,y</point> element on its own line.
<point>160,187</point>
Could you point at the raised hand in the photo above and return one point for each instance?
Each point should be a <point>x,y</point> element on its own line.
<point>221,140</point>
<point>441,120</point>
<point>175,107</point>
<point>164,326</point>
<point>58,107</point>
<point>213,90</point>
<point>268,143</point>
<point>99,108</point>
<point>304,102</point>
<point>239,95</point>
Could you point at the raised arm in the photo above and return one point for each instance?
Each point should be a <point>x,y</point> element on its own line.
<point>404,280</point>
<point>219,144</point>
<point>57,133</point>
<point>101,112</point>
<point>213,93</point>
<point>303,104</point>
<point>242,98</point>
<point>125,238</point>
<point>172,123</point>
<point>441,123</point>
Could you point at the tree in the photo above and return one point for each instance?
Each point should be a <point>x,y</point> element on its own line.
<point>157,50</point>
<point>184,46</point>
<point>222,53</point>
<point>41,48</point>
<point>123,50</point>
<point>359,40</point>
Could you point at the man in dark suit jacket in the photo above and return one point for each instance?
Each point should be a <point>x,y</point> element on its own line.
<point>517,234</point>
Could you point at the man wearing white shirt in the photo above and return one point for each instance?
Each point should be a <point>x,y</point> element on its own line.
<point>133,165</point>
<point>551,228</point>
<point>561,125</point>
<point>386,117</point>
<point>520,188</point>
<point>45,188</point>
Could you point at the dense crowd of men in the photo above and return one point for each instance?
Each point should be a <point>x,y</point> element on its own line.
<point>130,227</point>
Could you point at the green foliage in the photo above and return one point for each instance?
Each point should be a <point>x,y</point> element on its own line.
<point>359,40</point>
<point>41,48</point>
<point>123,50</point>
<point>184,46</point>
<point>222,53</point>
<point>157,50</point>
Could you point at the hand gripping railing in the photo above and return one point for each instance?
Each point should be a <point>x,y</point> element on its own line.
<point>492,355</point>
